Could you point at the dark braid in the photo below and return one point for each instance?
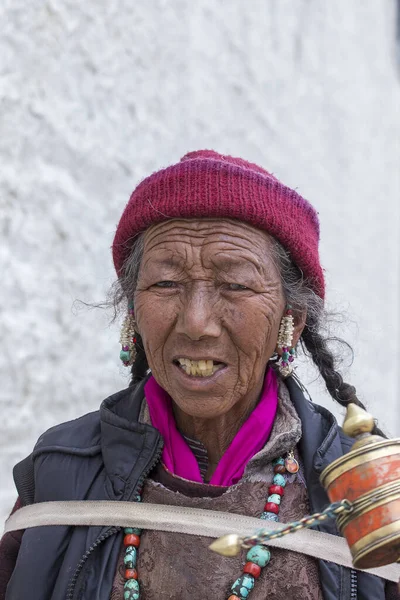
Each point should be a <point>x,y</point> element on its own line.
<point>140,366</point>
<point>300,295</point>
<point>317,347</point>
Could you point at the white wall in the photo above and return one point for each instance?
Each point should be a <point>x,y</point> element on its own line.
<point>95,95</point>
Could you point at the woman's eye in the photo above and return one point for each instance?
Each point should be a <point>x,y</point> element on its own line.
<point>165,284</point>
<point>237,287</point>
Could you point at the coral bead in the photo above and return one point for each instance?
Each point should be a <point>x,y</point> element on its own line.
<point>280,469</point>
<point>252,569</point>
<point>276,489</point>
<point>271,507</point>
<point>131,539</point>
<point>233,597</point>
<point>130,574</point>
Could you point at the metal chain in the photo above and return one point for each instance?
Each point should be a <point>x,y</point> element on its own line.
<point>331,512</point>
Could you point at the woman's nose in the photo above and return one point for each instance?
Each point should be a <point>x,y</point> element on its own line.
<point>198,317</point>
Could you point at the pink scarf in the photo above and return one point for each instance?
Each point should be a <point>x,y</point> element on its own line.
<point>250,439</point>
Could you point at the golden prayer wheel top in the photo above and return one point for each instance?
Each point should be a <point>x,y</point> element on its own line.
<point>357,421</point>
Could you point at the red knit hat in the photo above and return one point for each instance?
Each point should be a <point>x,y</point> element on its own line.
<point>208,184</point>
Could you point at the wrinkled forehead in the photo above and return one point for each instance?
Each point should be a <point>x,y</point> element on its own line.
<point>222,244</point>
<point>199,233</point>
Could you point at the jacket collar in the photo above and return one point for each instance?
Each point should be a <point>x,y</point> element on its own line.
<point>130,449</point>
<point>123,437</point>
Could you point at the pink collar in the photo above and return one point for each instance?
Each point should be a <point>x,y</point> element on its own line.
<point>250,439</point>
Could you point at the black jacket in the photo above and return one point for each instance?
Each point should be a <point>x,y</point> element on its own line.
<point>106,455</point>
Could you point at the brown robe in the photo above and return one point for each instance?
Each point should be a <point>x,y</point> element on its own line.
<point>173,565</point>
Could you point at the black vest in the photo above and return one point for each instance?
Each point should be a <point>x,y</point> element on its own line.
<point>106,455</point>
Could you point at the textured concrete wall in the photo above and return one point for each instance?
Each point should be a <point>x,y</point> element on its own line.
<point>95,95</point>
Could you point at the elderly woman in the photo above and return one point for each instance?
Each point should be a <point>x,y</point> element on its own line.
<point>218,264</point>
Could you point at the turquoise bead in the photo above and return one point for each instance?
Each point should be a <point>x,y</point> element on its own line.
<point>269,516</point>
<point>125,355</point>
<point>134,530</point>
<point>278,461</point>
<point>279,480</point>
<point>275,498</point>
<point>243,586</point>
<point>130,557</point>
<point>131,590</point>
<point>285,355</point>
<point>259,555</point>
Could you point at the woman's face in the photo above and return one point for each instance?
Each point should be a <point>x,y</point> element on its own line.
<point>208,307</point>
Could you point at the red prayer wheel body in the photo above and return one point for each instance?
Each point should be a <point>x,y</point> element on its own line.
<point>369,477</point>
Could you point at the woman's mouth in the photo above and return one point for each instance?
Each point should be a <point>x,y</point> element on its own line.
<point>199,368</point>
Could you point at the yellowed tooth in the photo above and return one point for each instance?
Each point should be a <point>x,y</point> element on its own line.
<point>198,368</point>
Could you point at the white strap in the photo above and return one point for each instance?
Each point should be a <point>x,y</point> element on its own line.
<point>192,521</point>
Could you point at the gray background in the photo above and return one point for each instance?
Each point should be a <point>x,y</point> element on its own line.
<point>95,95</point>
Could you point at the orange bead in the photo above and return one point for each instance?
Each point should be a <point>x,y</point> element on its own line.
<point>252,569</point>
<point>130,574</point>
<point>233,597</point>
<point>131,539</point>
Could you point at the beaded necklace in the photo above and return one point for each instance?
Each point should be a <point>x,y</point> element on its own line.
<point>256,558</point>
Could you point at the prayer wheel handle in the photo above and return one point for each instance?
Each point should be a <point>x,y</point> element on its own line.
<point>369,478</point>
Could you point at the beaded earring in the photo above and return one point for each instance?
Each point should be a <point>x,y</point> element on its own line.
<point>285,341</point>
<point>128,338</point>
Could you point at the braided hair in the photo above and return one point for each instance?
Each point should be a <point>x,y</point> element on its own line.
<point>299,294</point>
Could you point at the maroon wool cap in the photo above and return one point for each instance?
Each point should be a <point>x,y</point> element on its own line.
<point>205,184</point>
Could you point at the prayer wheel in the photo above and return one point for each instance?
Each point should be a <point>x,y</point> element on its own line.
<point>369,478</point>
